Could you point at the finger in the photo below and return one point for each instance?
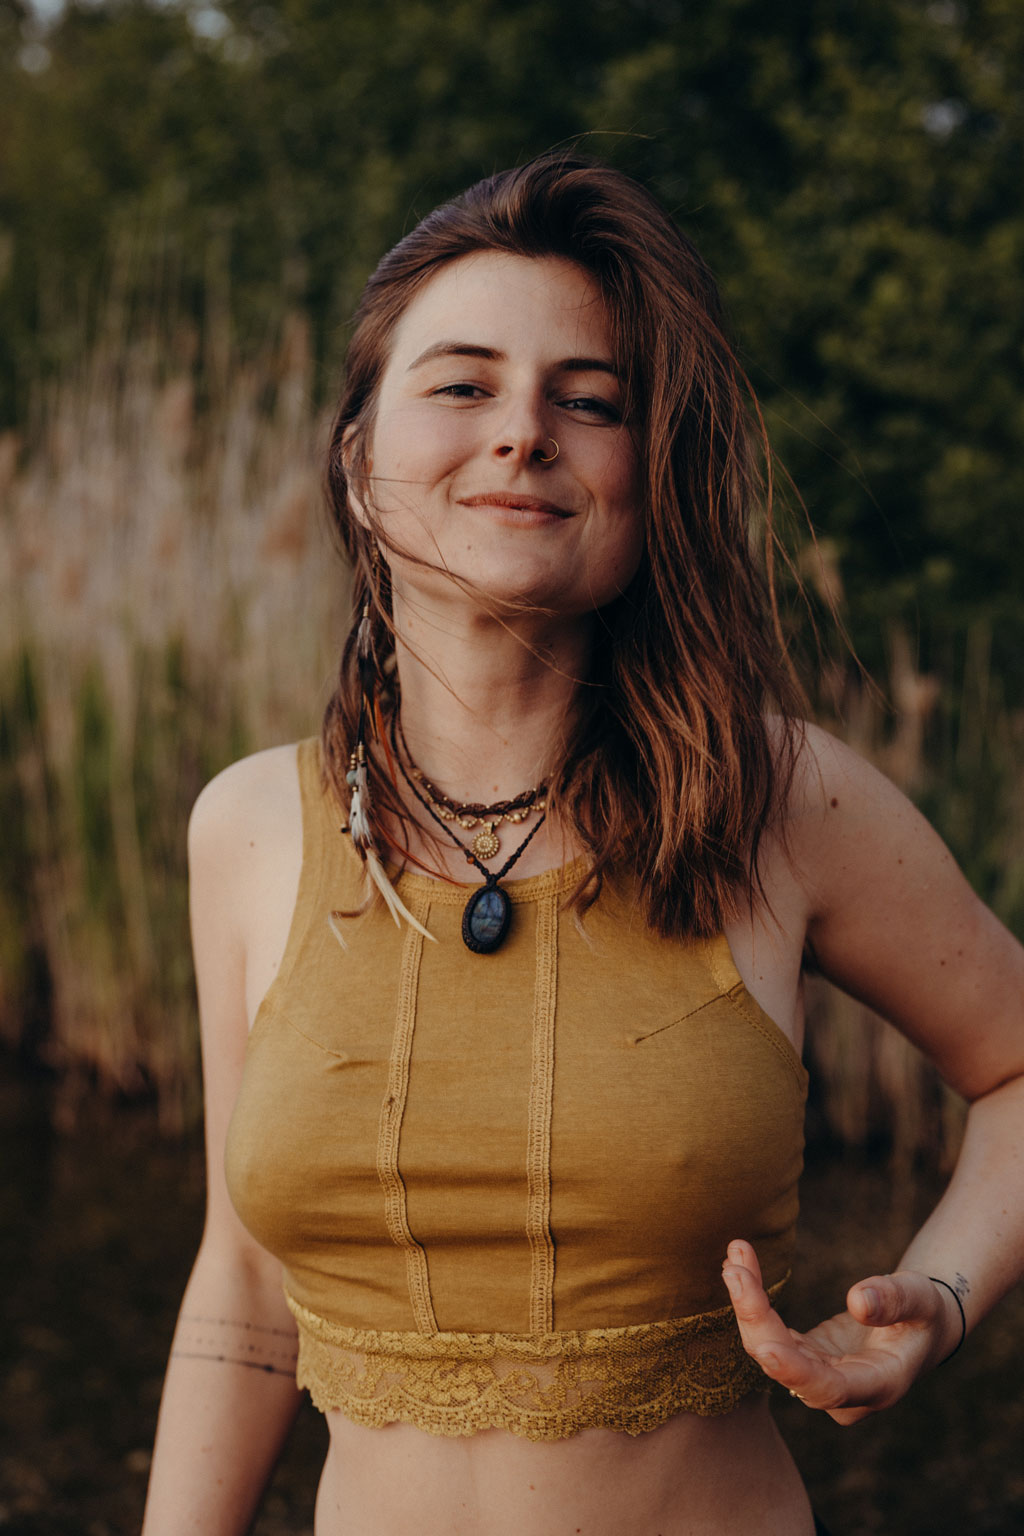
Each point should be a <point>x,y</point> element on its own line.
<point>844,1385</point>
<point>760,1325</point>
<point>742,1253</point>
<point>884,1300</point>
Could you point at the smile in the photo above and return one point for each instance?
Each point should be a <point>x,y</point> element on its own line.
<point>514,503</point>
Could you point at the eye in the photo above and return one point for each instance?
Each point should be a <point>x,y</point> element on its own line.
<point>459,392</point>
<point>592,405</point>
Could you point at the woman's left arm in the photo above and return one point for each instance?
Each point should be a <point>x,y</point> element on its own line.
<point>892,921</point>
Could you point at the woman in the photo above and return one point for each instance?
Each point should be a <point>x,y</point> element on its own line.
<point>527,1143</point>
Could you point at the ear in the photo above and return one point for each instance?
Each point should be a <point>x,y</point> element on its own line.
<point>348,451</point>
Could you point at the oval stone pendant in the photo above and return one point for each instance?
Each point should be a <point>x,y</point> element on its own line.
<point>485,919</point>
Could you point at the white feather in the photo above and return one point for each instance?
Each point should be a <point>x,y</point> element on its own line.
<point>396,906</point>
<point>359,812</point>
<point>362,841</point>
<point>333,926</point>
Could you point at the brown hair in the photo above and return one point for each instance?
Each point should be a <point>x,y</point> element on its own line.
<point>674,772</point>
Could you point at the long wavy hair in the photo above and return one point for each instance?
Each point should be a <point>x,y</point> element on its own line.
<point>684,741</point>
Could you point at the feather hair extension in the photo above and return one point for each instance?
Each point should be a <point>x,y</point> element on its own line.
<point>332,923</point>
<point>359,811</point>
<point>396,906</point>
<point>365,659</point>
<point>362,841</point>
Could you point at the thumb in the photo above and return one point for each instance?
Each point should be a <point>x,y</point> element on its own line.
<point>903,1297</point>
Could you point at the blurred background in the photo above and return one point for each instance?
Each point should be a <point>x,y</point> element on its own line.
<point>191,196</point>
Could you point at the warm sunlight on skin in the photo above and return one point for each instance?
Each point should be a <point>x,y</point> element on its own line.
<point>499,357</point>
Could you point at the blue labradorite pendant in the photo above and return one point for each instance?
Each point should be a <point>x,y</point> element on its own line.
<point>485,919</point>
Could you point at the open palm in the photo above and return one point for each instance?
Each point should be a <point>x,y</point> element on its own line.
<point>863,1359</point>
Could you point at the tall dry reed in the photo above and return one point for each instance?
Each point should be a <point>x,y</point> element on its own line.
<point>167,605</point>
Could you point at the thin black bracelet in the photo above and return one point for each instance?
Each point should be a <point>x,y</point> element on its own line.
<point>960,1308</point>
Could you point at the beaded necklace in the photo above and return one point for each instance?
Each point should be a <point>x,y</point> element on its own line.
<point>488,912</point>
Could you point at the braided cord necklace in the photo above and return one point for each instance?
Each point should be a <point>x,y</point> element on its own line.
<point>488,912</point>
<point>468,814</point>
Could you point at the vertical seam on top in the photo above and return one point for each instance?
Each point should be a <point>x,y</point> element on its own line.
<point>538,1156</point>
<point>396,1215</point>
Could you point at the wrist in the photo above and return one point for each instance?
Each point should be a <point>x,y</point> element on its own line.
<point>953,1313</point>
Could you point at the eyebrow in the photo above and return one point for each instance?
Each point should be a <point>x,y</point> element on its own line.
<point>492,354</point>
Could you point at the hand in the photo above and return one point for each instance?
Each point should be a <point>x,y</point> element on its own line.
<point>861,1360</point>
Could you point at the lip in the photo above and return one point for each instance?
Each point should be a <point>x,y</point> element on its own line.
<point>514,502</point>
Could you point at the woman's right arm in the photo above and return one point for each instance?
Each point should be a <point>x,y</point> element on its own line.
<point>229,1396</point>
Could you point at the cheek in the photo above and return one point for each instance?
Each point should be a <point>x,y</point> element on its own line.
<point>628,517</point>
<point>630,551</point>
<point>622,494</point>
<point>418,447</point>
<point>616,470</point>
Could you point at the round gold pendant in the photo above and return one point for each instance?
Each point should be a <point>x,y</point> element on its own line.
<point>485,844</point>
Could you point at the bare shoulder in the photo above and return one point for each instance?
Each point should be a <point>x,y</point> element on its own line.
<point>257,792</point>
<point>826,769</point>
<point>850,827</point>
<point>891,919</point>
<point>245,856</point>
<point>248,809</point>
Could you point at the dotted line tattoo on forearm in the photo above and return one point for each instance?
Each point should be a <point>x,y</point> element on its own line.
<point>252,1365</point>
<point>196,1339</point>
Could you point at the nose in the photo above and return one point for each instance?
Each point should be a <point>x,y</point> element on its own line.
<point>524,436</point>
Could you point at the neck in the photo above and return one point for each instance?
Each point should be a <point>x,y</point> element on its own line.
<point>487,705</point>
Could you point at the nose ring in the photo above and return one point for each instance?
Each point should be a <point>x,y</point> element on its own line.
<point>551,459</point>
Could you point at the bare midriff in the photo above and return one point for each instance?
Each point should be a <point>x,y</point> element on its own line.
<point>692,1476</point>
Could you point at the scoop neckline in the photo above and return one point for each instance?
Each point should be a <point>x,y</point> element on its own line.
<point>525,888</point>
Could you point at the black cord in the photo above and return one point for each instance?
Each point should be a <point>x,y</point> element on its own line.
<point>960,1308</point>
<point>470,855</point>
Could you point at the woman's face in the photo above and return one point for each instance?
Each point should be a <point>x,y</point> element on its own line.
<point>497,359</point>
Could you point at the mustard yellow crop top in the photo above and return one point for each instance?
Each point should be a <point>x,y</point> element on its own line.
<point>501,1186</point>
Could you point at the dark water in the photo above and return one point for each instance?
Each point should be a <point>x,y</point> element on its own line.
<point>98,1231</point>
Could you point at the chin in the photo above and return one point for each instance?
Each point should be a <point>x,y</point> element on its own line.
<point>547,594</point>
<point>489,585</point>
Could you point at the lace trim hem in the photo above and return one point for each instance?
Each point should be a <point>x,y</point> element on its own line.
<point>540,1387</point>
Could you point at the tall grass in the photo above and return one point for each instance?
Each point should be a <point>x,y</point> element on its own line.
<point>169,604</point>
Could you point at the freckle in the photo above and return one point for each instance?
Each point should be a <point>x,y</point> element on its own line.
<point>899,861</point>
<point>252,844</point>
<point>833,802</point>
<point>942,962</point>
